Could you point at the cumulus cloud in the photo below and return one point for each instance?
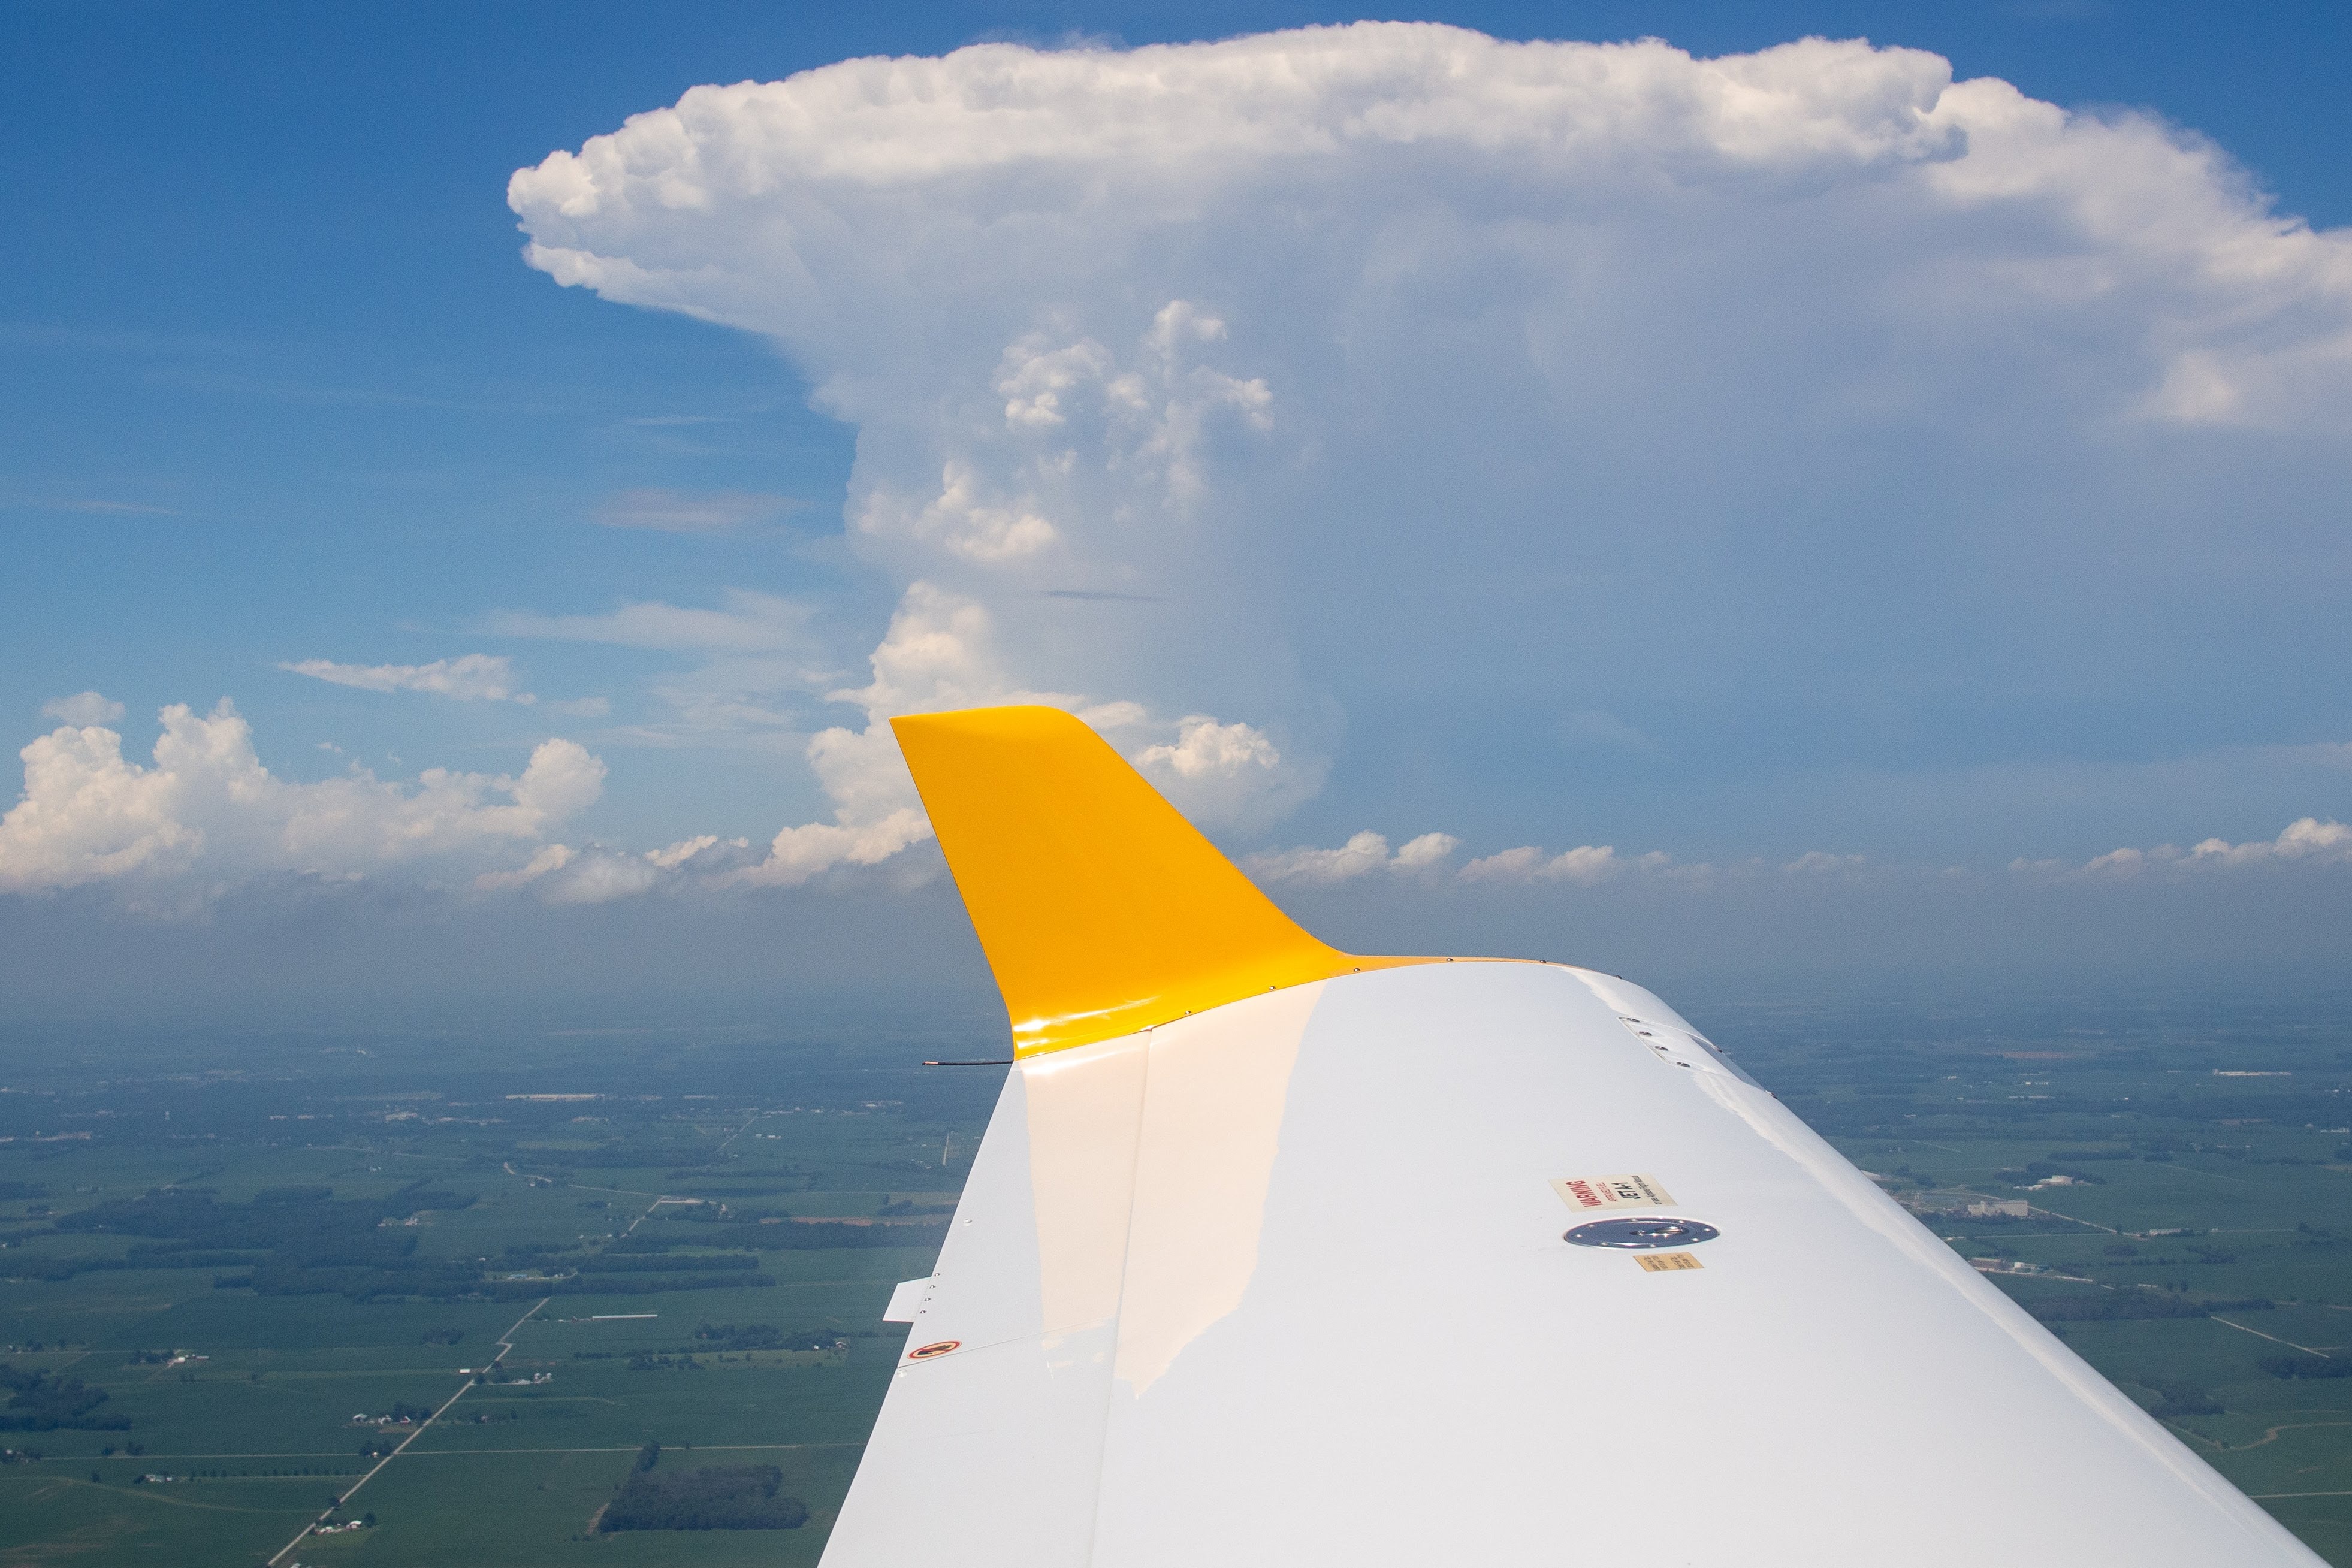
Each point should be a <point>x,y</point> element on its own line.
<point>2306,838</point>
<point>2307,841</point>
<point>83,708</point>
<point>1181,366</point>
<point>1821,863</point>
<point>484,677</point>
<point>944,651</point>
<point>1584,863</point>
<point>205,811</point>
<point>939,653</point>
<point>1588,864</point>
<point>694,511</point>
<point>1361,855</point>
<point>758,684</point>
<point>559,873</point>
<point>1229,775</point>
<point>205,814</point>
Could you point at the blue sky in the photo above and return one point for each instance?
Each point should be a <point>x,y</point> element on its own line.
<point>1923,590</point>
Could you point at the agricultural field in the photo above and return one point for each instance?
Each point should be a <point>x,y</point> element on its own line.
<point>545,1299</point>
<point>446,1309</point>
<point>2185,1168</point>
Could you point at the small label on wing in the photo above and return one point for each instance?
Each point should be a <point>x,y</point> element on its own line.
<point>1666,1262</point>
<point>1584,1194</point>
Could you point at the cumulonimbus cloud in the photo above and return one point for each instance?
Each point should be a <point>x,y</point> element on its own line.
<point>1214,389</point>
<point>1174,368</point>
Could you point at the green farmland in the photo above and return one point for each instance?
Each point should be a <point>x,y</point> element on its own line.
<point>249,1287</point>
<point>418,1300</point>
<point>2187,1171</point>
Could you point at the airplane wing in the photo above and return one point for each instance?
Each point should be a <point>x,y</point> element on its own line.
<point>1276,1256</point>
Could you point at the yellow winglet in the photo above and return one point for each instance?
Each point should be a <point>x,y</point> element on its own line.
<point>1101,909</point>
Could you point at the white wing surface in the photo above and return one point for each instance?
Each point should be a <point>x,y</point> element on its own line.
<point>1286,1281</point>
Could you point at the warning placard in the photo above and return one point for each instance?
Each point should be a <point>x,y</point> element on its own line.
<point>1666,1262</point>
<point>1586,1194</point>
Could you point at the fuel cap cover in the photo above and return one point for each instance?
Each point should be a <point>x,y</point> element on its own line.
<point>1642,1233</point>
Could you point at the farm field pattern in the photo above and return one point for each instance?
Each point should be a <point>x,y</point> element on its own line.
<point>687,1238</point>
<point>261,1432</point>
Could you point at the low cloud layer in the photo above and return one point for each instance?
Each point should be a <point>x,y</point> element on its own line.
<point>204,816</point>
<point>2306,841</point>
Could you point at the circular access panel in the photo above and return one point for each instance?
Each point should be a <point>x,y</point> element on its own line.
<point>1642,1234</point>
<point>937,1347</point>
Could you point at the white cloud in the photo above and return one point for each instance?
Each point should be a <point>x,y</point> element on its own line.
<point>1591,863</point>
<point>1207,749</point>
<point>1229,775</point>
<point>1213,390</point>
<point>758,661</point>
<point>957,518</point>
<point>485,677</point>
<point>686,849</point>
<point>769,205</point>
<point>1424,853</point>
<point>943,651</point>
<point>1264,331</point>
<point>550,859</point>
<point>207,812</point>
<point>2307,841</point>
<point>1361,855</point>
<point>205,815</point>
<point>694,511</point>
<point>1821,863</point>
<point>83,708</point>
<point>559,873</point>
<point>797,854</point>
<point>939,653</point>
<point>1584,863</point>
<point>747,622</point>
